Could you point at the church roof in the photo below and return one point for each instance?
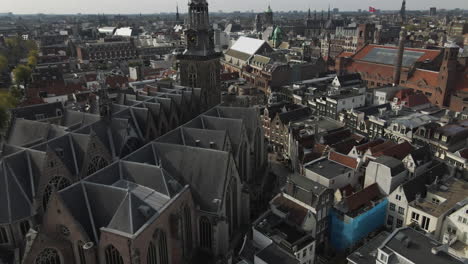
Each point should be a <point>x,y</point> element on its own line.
<point>248,45</point>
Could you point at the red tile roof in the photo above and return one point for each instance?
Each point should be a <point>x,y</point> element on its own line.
<point>381,147</point>
<point>117,81</point>
<point>344,160</point>
<point>363,197</point>
<point>296,212</point>
<point>411,99</point>
<point>365,147</point>
<point>345,54</point>
<point>399,151</point>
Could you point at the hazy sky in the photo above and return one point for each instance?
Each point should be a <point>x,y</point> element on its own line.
<point>155,6</point>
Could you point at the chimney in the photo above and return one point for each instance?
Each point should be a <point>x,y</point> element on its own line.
<point>399,59</point>
<point>197,143</point>
<point>212,145</point>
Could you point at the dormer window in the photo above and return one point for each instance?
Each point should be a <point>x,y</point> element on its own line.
<point>444,138</point>
<point>383,257</point>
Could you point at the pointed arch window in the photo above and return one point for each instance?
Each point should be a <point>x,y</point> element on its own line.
<point>48,256</point>
<point>96,164</point>
<point>55,184</point>
<point>213,73</point>
<point>151,257</point>
<point>205,233</point>
<point>192,76</point>
<point>157,249</point>
<point>187,219</point>
<point>112,255</point>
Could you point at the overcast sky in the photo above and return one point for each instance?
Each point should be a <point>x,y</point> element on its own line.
<point>156,6</point>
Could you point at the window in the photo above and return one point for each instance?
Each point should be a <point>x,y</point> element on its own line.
<point>401,210</point>
<point>392,207</point>
<point>425,223</point>
<point>398,197</point>
<point>383,257</point>
<point>157,250</point>
<point>435,201</point>
<point>81,253</point>
<point>390,220</point>
<point>151,257</point>
<point>3,235</point>
<point>304,253</point>
<point>40,116</point>
<point>55,184</point>
<point>24,227</point>
<point>96,164</point>
<point>187,229</point>
<point>48,256</point>
<point>399,223</point>
<point>205,233</point>
<point>415,216</point>
<point>113,256</point>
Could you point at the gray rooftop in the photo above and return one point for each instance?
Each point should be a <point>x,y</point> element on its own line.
<point>327,168</point>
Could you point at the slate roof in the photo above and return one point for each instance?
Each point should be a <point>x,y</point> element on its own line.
<point>187,165</point>
<point>417,185</point>
<point>132,194</point>
<point>416,247</point>
<point>295,115</point>
<point>29,112</point>
<point>395,165</point>
<point>27,133</point>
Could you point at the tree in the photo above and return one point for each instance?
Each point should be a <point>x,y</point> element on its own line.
<point>8,100</point>
<point>3,63</point>
<point>22,74</point>
<point>32,58</point>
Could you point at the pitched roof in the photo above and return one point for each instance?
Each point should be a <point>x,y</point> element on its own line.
<point>294,115</point>
<point>395,165</point>
<point>344,160</point>
<point>248,45</point>
<point>387,54</point>
<point>362,198</point>
<point>399,151</point>
<point>366,146</point>
<point>296,212</point>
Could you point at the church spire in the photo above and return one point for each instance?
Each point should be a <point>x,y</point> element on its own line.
<point>329,12</point>
<point>177,12</point>
<point>309,15</point>
<point>315,14</point>
<point>403,12</point>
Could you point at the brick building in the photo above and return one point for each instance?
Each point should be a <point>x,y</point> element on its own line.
<point>431,72</point>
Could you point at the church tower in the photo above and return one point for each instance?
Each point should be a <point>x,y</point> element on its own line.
<point>199,65</point>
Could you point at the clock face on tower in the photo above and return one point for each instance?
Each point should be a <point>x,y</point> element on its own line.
<point>192,39</point>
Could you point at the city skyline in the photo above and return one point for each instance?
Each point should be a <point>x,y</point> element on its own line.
<point>151,7</point>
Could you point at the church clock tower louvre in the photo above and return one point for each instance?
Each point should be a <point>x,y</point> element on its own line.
<point>199,65</point>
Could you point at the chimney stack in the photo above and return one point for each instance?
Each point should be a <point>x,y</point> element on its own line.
<point>399,59</point>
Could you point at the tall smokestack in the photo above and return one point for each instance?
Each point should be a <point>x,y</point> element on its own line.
<point>399,59</point>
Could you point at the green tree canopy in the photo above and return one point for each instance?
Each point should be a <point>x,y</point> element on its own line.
<point>22,74</point>
<point>3,63</point>
<point>32,58</point>
<point>8,100</point>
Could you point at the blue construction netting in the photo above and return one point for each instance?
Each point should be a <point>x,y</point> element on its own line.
<point>343,234</point>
